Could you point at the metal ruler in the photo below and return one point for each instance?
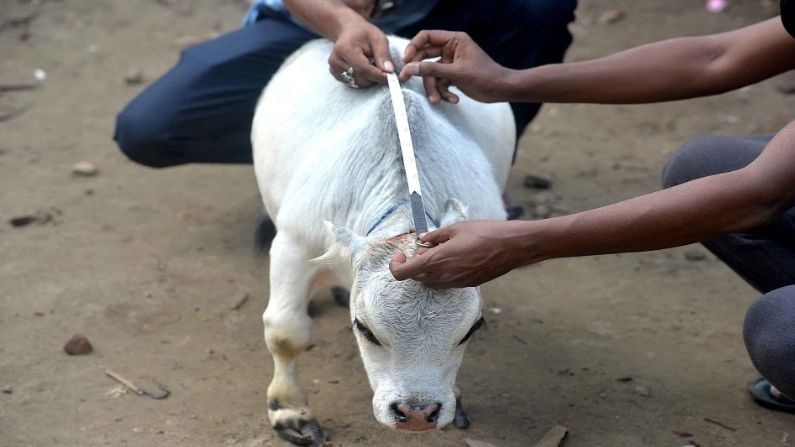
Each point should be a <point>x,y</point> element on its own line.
<point>407,150</point>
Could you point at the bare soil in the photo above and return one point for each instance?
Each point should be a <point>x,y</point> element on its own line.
<point>624,350</point>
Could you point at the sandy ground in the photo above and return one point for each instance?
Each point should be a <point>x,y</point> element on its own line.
<point>149,263</point>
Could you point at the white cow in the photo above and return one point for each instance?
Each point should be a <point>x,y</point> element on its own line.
<point>329,168</point>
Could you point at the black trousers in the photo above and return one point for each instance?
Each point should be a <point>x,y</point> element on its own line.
<point>201,110</point>
<point>763,256</point>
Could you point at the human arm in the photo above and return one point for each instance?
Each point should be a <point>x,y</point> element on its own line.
<point>357,42</point>
<point>473,252</point>
<point>662,71</point>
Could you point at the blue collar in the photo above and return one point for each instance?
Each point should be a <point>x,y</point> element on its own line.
<point>389,212</point>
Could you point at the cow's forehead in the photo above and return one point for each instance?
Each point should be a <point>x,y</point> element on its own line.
<point>408,308</point>
<point>401,307</point>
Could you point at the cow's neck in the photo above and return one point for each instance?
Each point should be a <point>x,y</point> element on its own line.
<point>393,219</point>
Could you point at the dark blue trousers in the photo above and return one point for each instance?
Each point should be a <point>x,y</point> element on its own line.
<point>764,256</point>
<point>201,110</point>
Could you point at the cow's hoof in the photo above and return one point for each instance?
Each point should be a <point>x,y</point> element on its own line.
<point>301,431</point>
<point>341,295</point>
<point>461,420</point>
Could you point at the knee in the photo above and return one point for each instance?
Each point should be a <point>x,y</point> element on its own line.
<point>770,337</point>
<point>141,139</point>
<point>287,333</point>
<point>688,163</point>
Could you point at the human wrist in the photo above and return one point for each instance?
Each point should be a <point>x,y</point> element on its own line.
<point>343,18</point>
<point>527,241</point>
<point>517,85</point>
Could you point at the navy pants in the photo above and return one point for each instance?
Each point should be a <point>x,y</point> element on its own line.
<point>763,256</point>
<point>201,110</point>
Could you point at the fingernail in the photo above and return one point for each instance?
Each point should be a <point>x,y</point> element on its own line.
<point>389,67</point>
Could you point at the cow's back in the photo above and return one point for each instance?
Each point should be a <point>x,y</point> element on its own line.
<point>322,150</point>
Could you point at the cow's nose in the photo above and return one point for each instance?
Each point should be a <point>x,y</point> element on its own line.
<point>415,417</point>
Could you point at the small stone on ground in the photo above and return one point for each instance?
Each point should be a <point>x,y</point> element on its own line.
<point>78,345</point>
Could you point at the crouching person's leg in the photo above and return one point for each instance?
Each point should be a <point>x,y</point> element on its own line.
<point>201,110</point>
<point>763,256</point>
<point>769,335</point>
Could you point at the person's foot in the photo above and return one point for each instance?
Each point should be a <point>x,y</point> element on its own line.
<point>768,396</point>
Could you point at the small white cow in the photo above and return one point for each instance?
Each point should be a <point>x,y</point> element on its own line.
<point>329,168</point>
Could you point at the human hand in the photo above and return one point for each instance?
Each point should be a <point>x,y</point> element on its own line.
<point>467,254</point>
<point>462,63</point>
<point>362,47</point>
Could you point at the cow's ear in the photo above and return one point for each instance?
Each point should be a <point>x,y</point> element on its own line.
<point>341,242</point>
<point>454,211</point>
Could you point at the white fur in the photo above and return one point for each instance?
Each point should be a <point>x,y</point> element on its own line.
<point>324,152</point>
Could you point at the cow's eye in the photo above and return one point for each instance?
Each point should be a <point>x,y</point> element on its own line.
<point>364,330</point>
<point>475,327</point>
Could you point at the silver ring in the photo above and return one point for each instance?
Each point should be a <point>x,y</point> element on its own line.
<point>348,79</point>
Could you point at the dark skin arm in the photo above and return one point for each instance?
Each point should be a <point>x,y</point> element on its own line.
<point>662,71</point>
<point>357,42</point>
<point>473,252</point>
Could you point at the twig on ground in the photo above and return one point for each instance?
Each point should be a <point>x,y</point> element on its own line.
<point>17,87</point>
<point>165,392</point>
<point>720,424</point>
<point>241,302</point>
<point>126,382</point>
<point>520,340</point>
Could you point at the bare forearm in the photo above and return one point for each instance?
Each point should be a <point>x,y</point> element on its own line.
<point>669,70</point>
<point>326,17</point>
<point>695,211</point>
<point>688,213</point>
<point>656,72</point>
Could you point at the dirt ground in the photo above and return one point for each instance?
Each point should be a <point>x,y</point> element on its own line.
<point>150,263</point>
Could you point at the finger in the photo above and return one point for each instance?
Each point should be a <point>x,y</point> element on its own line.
<point>414,46</point>
<point>402,269</point>
<point>436,38</point>
<point>432,90</point>
<point>337,65</point>
<point>365,72</point>
<point>444,90</point>
<point>409,269</point>
<point>380,47</point>
<point>426,52</point>
<point>437,237</point>
<point>431,69</point>
<point>422,250</point>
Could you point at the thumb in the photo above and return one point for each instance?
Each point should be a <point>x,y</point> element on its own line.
<point>383,58</point>
<point>437,237</point>
<point>429,69</point>
<point>396,264</point>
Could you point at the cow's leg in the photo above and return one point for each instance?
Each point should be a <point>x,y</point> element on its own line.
<point>287,333</point>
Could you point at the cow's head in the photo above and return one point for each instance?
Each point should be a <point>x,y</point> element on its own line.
<point>411,338</point>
